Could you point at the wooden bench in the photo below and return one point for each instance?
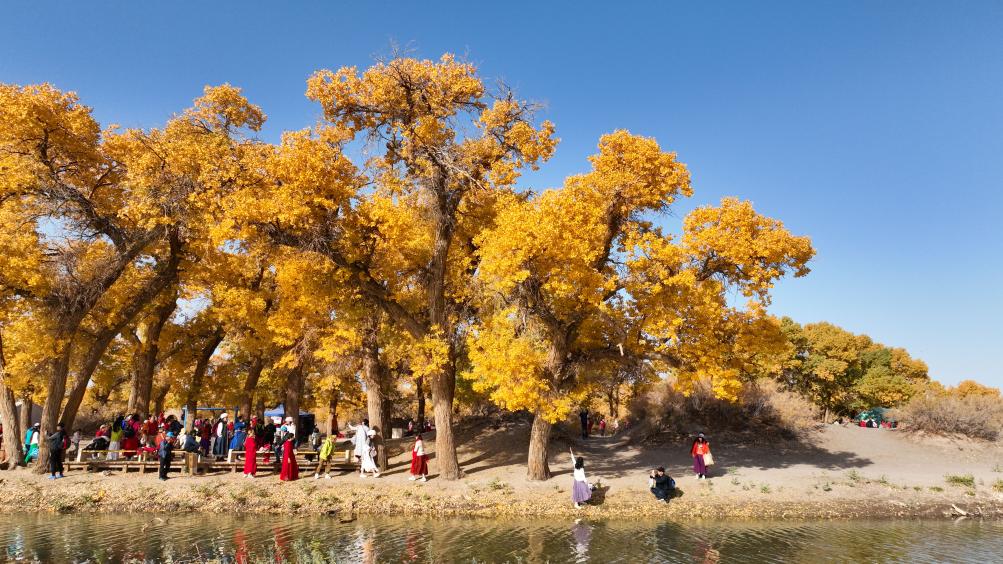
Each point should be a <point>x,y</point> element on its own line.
<point>305,459</point>
<point>96,462</point>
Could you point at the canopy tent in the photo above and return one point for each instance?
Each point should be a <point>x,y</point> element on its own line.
<point>874,414</point>
<point>280,411</point>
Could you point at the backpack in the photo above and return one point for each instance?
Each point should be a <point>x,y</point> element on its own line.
<point>128,431</point>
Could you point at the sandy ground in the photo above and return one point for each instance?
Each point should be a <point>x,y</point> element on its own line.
<point>838,472</point>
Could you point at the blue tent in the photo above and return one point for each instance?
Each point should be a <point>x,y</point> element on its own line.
<point>280,411</point>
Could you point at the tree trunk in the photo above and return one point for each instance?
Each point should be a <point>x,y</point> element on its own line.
<point>294,393</point>
<point>443,388</point>
<point>332,414</point>
<point>12,431</point>
<point>539,442</point>
<point>825,416</point>
<point>420,391</point>
<point>53,403</point>
<point>160,397</point>
<point>145,358</point>
<point>247,396</point>
<point>24,416</point>
<point>375,375</point>
<point>8,416</point>
<point>260,409</point>
<point>79,389</point>
<point>201,366</point>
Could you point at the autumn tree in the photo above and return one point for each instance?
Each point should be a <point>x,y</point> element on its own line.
<point>441,153</point>
<point>577,276</point>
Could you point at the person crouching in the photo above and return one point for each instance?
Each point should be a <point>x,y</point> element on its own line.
<point>661,484</point>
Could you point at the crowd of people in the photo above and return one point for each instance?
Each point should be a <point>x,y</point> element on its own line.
<point>592,421</point>
<point>269,437</point>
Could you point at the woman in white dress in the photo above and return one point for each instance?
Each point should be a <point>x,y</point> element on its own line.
<point>368,462</point>
<point>361,439</point>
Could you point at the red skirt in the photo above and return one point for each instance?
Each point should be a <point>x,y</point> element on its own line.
<point>290,470</point>
<point>419,464</point>
<point>250,457</point>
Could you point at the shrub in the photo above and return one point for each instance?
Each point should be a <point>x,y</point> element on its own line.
<point>762,406</point>
<point>977,416</point>
<point>966,480</point>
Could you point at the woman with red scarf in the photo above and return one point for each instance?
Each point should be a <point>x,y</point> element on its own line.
<point>250,455</point>
<point>290,470</point>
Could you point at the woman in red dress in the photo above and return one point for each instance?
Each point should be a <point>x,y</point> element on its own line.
<point>419,460</point>
<point>250,455</point>
<point>290,471</point>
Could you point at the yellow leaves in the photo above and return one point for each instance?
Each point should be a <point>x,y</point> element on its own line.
<point>635,171</point>
<point>510,367</point>
<point>224,107</point>
<point>429,356</point>
<point>747,249</point>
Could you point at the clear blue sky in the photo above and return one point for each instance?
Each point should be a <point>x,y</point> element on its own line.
<point>874,127</point>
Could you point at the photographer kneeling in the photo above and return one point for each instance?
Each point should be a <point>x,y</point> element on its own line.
<point>662,485</point>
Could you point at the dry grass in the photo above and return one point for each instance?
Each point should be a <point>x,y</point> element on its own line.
<point>762,407</point>
<point>975,416</point>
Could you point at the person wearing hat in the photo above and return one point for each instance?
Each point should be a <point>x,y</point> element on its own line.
<point>291,428</point>
<point>166,453</point>
<point>661,484</point>
<point>220,444</point>
<point>701,456</point>
<point>31,443</point>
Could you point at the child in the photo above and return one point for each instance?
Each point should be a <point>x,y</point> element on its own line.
<point>326,455</point>
<point>581,492</point>
<point>166,454</point>
<point>419,460</point>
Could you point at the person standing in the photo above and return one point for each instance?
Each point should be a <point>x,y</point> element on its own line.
<point>250,455</point>
<point>131,430</point>
<point>700,450</point>
<point>115,438</point>
<point>361,439</point>
<point>583,415</point>
<point>290,470</point>
<point>220,435</point>
<point>602,427</point>
<point>325,458</point>
<point>31,443</point>
<point>57,446</point>
<point>581,492</point>
<point>419,460</point>
<point>239,436</point>
<point>368,457</point>
<point>166,454</point>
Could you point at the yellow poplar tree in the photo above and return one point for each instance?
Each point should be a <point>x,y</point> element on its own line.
<point>442,153</point>
<point>577,276</point>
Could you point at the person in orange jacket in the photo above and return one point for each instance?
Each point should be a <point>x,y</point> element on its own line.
<point>699,450</point>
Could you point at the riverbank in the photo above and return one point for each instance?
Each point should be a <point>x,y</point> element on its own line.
<point>840,473</point>
<point>346,497</point>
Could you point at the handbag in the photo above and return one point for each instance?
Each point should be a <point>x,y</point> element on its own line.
<point>708,459</point>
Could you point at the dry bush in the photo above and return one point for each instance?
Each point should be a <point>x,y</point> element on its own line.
<point>975,416</point>
<point>762,408</point>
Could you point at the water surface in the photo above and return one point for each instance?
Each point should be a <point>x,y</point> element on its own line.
<point>221,538</point>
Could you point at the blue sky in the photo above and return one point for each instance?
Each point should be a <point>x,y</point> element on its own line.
<point>873,127</point>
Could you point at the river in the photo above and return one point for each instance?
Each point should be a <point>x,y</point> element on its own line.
<point>212,538</point>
